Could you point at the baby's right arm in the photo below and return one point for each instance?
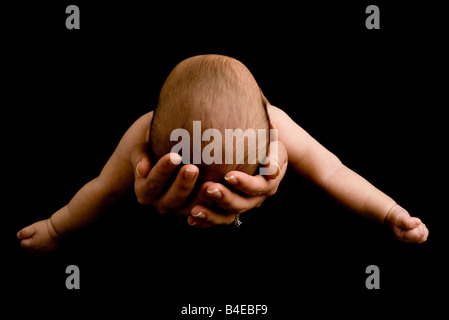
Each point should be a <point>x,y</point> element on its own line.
<point>114,181</point>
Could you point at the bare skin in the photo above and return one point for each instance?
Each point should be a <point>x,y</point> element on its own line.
<point>201,211</point>
<point>312,160</point>
<point>129,166</point>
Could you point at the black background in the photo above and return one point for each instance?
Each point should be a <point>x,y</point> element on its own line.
<point>373,97</point>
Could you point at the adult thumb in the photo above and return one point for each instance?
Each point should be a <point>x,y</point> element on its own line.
<point>140,160</point>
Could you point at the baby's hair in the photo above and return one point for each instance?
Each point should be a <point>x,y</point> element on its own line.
<point>220,92</point>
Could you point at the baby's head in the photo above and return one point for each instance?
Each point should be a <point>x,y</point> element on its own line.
<point>220,92</point>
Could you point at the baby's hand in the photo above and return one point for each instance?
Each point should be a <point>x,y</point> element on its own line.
<point>406,228</point>
<point>40,237</point>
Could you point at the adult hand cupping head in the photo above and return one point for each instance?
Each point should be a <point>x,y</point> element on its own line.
<point>214,203</point>
<point>253,192</point>
<point>151,185</point>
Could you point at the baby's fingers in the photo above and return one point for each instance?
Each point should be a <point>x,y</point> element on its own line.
<point>425,233</point>
<point>417,235</point>
<point>409,222</point>
<point>27,243</point>
<point>26,232</point>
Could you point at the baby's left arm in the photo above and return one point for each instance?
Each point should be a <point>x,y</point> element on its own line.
<point>310,159</point>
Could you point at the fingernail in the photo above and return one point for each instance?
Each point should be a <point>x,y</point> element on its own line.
<point>175,158</point>
<point>193,223</point>
<point>189,174</point>
<point>137,168</point>
<point>215,193</point>
<point>278,168</point>
<point>199,215</point>
<point>231,180</point>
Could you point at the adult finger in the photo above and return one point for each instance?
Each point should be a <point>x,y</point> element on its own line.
<point>198,223</point>
<point>250,185</point>
<point>204,212</point>
<point>275,162</point>
<point>140,161</point>
<point>231,201</point>
<point>277,155</point>
<point>150,189</point>
<point>259,184</point>
<point>205,216</point>
<point>176,196</point>
<point>278,160</point>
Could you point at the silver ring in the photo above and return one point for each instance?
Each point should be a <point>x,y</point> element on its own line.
<point>237,220</point>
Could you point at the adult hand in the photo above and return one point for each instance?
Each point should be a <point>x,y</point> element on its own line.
<point>254,191</point>
<point>151,188</point>
<point>151,185</point>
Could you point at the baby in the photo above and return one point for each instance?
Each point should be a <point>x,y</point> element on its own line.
<point>218,93</point>
<point>206,93</point>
